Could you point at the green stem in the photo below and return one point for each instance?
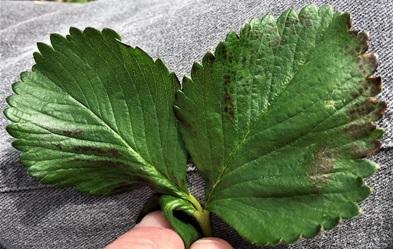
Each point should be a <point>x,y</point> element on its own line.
<point>202,216</point>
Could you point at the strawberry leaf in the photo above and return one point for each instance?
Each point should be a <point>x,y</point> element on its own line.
<point>97,114</point>
<point>278,122</point>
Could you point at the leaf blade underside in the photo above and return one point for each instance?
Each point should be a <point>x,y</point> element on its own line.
<point>97,114</point>
<point>278,120</point>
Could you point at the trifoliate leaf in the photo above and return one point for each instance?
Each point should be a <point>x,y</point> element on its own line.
<point>97,114</point>
<point>278,121</point>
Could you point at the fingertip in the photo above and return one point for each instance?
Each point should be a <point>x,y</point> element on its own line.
<point>148,238</point>
<point>152,232</point>
<point>154,219</point>
<point>211,243</point>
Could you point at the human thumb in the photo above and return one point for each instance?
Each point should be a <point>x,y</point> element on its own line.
<point>153,232</point>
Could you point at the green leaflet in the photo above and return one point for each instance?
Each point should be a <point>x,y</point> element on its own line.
<point>97,114</point>
<point>278,120</point>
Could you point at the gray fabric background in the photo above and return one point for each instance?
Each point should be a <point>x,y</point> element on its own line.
<point>180,32</point>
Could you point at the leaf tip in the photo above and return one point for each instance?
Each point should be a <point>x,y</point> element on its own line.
<point>232,35</point>
<point>221,51</point>
<point>56,39</point>
<point>143,53</point>
<point>37,57</point>
<point>310,6</point>
<point>363,38</point>
<point>348,19</point>
<point>44,48</point>
<point>24,75</point>
<point>268,18</point>
<point>111,34</point>
<point>376,84</point>
<point>6,113</point>
<point>196,69</point>
<point>10,100</point>
<point>208,59</point>
<point>91,32</point>
<point>368,63</point>
<point>17,145</point>
<point>75,31</point>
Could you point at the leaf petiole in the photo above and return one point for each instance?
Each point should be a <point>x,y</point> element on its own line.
<point>202,216</point>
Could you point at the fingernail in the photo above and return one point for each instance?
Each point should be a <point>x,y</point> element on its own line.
<point>154,219</point>
<point>211,243</point>
<point>143,244</point>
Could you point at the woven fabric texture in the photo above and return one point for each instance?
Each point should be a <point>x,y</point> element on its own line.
<point>36,216</point>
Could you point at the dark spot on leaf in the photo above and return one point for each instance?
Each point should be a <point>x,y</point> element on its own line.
<point>305,21</point>
<point>368,63</point>
<point>110,152</point>
<point>353,32</point>
<point>357,93</point>
<point>376,148</point>
<point>227,79</point>
<point>67,133</point>
<point>376,85</point>
<point>322,165</point>
<point>256,35</point>
<point>348,20</point>
<point>72,133</point>
<point>380,109</point>
<point>358,130</point>
<point>362,109</point>
<point>291,20</point>
<point>229,108</point>
<point>361,152</point>
<point>101,164</point>
<point>362,37</point>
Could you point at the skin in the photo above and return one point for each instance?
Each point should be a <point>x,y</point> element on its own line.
<point>154,232</point>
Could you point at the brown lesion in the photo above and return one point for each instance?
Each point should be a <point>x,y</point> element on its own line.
<point>322,165</point>
<point>358,130</point>
<point>111,152</point>
<point>370,106</point>
<point>375,83</point>
<point>121,168</point>
<point>229,107</point>
<point>380,110</point>
<point>305,21</point>
<point>368,63</point>
<point>73,133</point>
<point>67,133</point>
<point>361,152</point>
<point>361,109</point>
<point>362,38</point>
